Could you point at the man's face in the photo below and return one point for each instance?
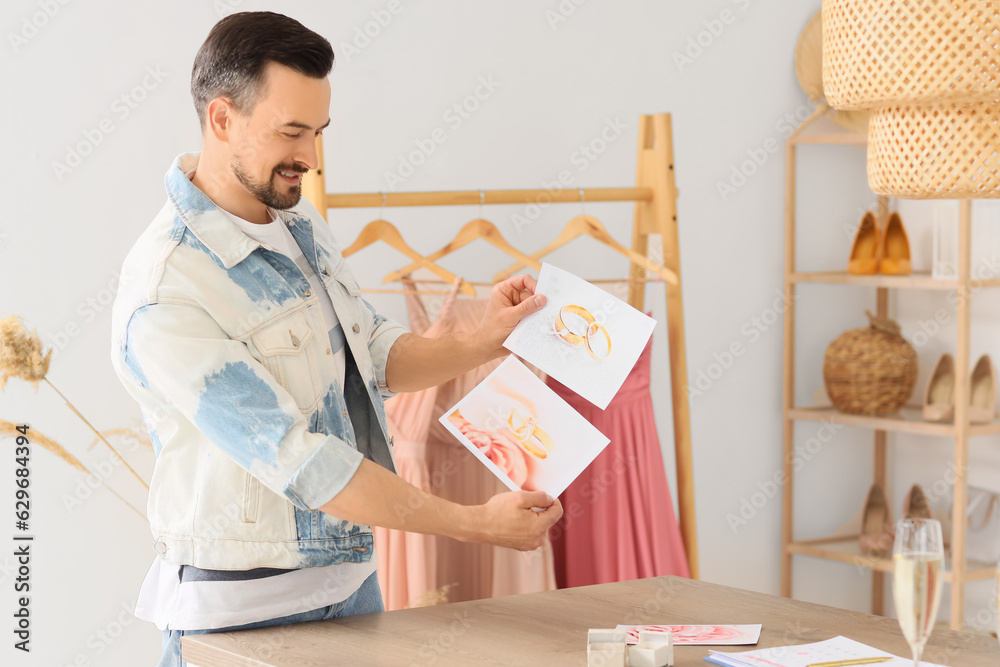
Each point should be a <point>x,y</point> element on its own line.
<point>275,143</point>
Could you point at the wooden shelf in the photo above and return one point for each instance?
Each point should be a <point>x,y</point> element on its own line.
<point>909,419</point>
<point>913,281</point>
<point>837,138</point>
<point>819,128</point>
<point>846,549</point>
<point>823,130</point>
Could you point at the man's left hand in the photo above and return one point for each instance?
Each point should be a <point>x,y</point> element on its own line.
<point>509,301</point>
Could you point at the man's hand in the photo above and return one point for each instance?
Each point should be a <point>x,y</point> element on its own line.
<point>380,498</point>
<point>507,519</point>
<point>415,362</point>
<point>509,301</point>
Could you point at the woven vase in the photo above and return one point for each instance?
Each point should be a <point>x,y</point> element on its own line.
<point>871,370</point>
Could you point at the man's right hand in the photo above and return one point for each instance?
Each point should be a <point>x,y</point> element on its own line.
<point>507,519</point>
<point>380,498</point>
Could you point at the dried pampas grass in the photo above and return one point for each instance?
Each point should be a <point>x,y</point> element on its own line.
<point>21,353</point>
<point>8,428</point>
<point>34,437</point>
<point>126,433</point>
<point>21,356</point>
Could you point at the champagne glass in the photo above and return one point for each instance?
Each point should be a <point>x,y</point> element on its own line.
<point>918,556</point>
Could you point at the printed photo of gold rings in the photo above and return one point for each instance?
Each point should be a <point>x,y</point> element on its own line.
<point>529,435</point>
<point>586,338</point>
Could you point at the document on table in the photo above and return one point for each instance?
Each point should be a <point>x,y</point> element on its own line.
<point>695,635</point>
<point>804,655</point>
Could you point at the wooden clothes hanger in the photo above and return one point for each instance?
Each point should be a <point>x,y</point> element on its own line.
<point>476,229</point>
<point>585,225</point>
<point>384,231</point>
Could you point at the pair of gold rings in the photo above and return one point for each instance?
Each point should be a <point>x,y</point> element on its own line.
<point>593,326</point>
<point>529,435</point>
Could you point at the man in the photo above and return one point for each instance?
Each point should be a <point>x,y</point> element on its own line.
<point>261,371</point>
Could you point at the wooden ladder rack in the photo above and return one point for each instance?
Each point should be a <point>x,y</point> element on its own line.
<point>655,197</point>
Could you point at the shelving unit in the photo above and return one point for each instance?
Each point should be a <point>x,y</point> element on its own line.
<point>819,129</point>
<point>915,281</point>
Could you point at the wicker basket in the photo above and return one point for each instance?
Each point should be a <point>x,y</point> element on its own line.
<point>870,371</point>
<point>909,52</point>
<point>945,152</point>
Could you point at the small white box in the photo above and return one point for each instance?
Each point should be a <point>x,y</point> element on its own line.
<point>606,654</point>
<point>606,648</point>
<point>606,635</point>
<point>657,636</point>
<point>655,649</point>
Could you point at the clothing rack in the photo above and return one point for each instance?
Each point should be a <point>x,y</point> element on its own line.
<point>655,197</point>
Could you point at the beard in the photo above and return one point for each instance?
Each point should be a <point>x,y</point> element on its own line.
<point>266,192</point>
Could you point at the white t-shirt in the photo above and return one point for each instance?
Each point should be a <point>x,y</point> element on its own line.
<point>200,603</point>
<point>182,597</point>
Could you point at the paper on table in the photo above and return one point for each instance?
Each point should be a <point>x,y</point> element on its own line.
<point>803,655</point>
<point>584,337</point>
<point>524,432</point>
<point>703,635</point>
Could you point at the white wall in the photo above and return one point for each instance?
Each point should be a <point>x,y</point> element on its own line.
<point>559,83</point>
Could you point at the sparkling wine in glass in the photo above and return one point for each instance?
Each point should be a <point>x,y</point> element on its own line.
<point>918,559</point>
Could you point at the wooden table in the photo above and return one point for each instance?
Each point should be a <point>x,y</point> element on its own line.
<point>550,629</point>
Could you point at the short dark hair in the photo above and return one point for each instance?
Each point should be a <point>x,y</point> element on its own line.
<point>231,62</point>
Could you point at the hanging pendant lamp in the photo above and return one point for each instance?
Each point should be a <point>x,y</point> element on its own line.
<point>929,71</point>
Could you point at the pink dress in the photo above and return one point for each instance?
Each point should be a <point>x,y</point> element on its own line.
<point>618,520</point>
<point>417,570</point>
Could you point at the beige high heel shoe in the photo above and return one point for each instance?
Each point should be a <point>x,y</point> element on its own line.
<point>982,391</point>
<point>877,533</point>
<point>865,249</point>
<point>939,396</point>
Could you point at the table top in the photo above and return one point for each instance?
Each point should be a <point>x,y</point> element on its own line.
<point>550,628</point>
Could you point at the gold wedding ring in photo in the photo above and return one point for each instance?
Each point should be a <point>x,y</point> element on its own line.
<point>586,338</point>
<point>525,431</point>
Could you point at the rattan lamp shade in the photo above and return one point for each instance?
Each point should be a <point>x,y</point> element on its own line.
<point>929,71</point>
<point>809,71</point>
<point>935,152</point>
<point>910,52</point>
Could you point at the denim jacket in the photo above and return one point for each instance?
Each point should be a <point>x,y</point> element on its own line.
<point>224,347</point>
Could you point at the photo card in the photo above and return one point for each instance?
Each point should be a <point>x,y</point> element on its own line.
<point>524,432</point>
<point>583,336</point>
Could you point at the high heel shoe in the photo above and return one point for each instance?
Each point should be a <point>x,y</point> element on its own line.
<point>983,391</point>
<point>876,523</point>
<point>895,244</point>
<point>915,505</point>
<point>939,396</point>
<point>864,259</point>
